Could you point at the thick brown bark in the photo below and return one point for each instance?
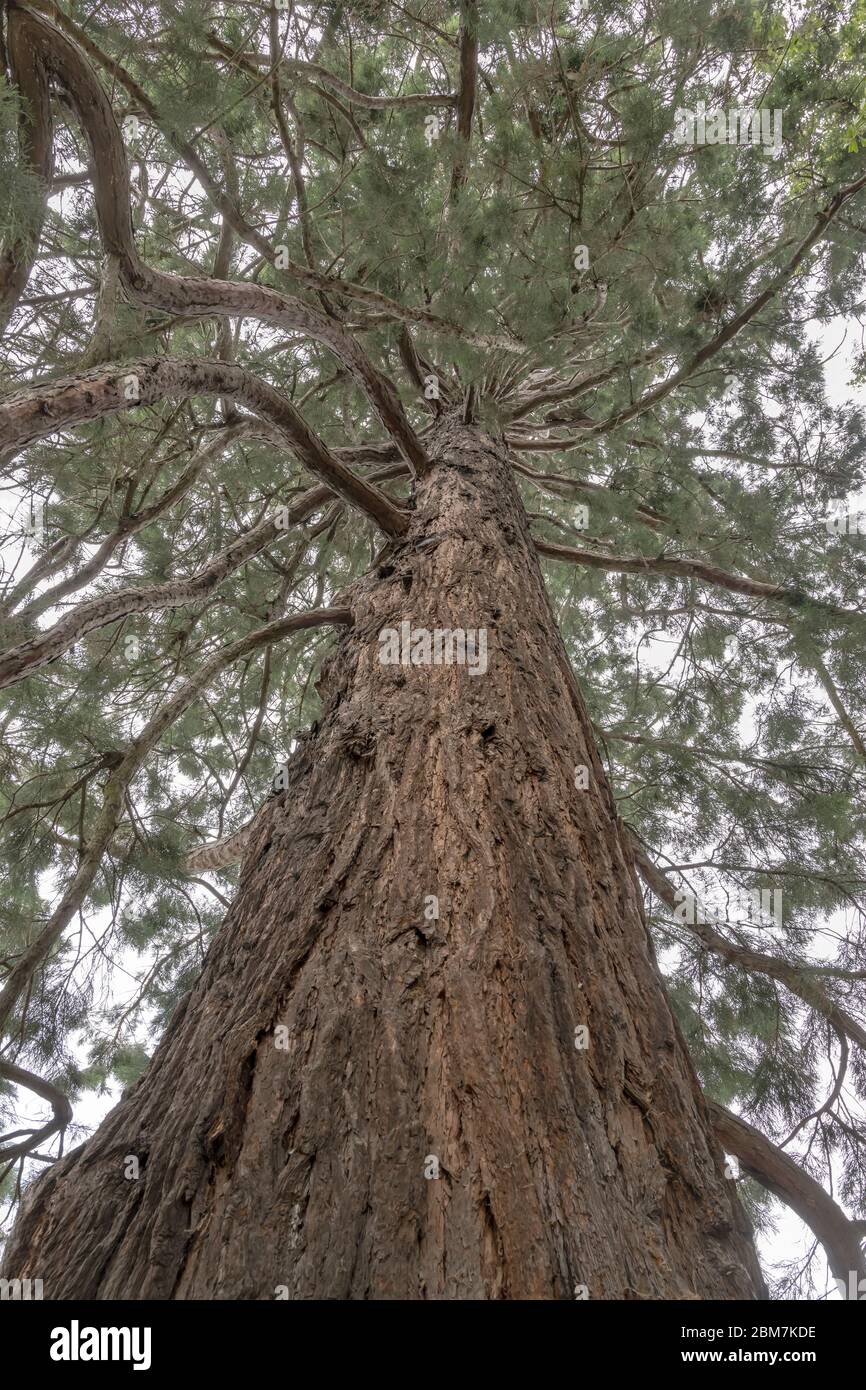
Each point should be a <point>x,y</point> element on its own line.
<point>406,1040</point>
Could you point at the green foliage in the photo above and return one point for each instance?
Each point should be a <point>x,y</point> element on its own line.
<point>21,193</point>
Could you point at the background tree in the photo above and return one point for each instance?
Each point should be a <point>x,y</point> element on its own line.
<point>293,297</point>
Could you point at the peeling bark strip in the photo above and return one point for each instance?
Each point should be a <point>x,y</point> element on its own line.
<point>342,1048</point>
<point>188,294</point>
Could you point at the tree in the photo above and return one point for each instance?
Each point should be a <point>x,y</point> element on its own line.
<point>491,342</point>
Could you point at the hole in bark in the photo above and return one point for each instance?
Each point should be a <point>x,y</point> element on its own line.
<point>488,731</point>
<point>406,581</point>
<point>385,571</point>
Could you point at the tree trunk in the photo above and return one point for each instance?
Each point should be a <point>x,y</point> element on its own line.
<point>343,1045</point>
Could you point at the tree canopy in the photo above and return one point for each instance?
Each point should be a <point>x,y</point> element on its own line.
<point>250,253</point>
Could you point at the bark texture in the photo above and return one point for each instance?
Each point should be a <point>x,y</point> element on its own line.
<point>338,1041</point>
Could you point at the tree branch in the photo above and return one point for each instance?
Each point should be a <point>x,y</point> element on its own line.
<point>35,141</point>
<point>113,799</point>
<point>779,1174</point>
<point>793,977</point>
<point>21,661</point>
<point>56,1099</point>
<point>466,93</point>
<point>732,328</point>
<point>127,525</point>
<point>691,569</point>
<point>42,409</point>
<point>244,229</point>
<point>186,294</point>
